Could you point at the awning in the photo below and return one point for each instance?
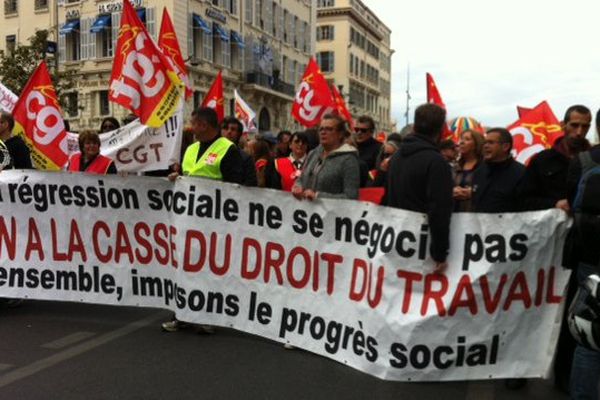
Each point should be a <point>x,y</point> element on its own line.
<point>101,23</point>
<point>237,39</point>
<point>141,12</point>
<point>70,26</point>
<point>202,24</point>
<point>221,32</point>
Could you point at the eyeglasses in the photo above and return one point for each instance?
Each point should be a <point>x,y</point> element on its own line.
<point>108,127</point>
<point>362,130</point>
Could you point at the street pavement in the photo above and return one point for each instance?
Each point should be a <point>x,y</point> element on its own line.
<point>59,350</point>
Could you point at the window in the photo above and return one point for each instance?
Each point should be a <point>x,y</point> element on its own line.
<point>286,18</point>
<point>362,69</point>
<point>11,44</point>
<point>221,45</point>
<point>72,104</point>
<point>99,36</point>
<point>207,44</point>
<point>325,3</point>
<point>41,5</point>
<point>10,7</point>
<point>325,32</point>
<point>215,3</point>
<point>248,11</point>
<point>325,60</point>
<point>258,13</point>
<point>292,73</point>
<point>69,41</point>
<point>232,7</point>
<point>103,104</point>
<point>351,64</point>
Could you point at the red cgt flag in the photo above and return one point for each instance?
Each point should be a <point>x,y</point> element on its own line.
<point>313,98</point>
<point>433,96</point>
<point>214,98</point>
<point>168,43</point>
<point>537,129</point>
<point>143,80</point>
<point>341,106</point>
<point>38,119</point>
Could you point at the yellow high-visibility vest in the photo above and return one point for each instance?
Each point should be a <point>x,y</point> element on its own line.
<point>209,165</point>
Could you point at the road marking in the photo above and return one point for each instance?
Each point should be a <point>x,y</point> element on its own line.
<point>68,340</point>
<point>4,367</point>
<point>81,348</point>
<point>480,390</point>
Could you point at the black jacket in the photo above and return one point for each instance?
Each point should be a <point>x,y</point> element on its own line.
<point>19,153</point>
<point>496,186</point>
<point>545,180</point>
<point>419,179</point>
<point>368,152</point>
<point>249,170</point>
<point>580,247</point>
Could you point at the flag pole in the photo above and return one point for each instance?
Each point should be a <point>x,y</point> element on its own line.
<point>407,113</point>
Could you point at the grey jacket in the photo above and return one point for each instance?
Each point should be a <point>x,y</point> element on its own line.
<point>337,176</point>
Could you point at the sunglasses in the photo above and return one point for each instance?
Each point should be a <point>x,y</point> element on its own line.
<point>362,130</point>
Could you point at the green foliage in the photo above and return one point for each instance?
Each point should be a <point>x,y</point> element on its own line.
<point>16,68</point>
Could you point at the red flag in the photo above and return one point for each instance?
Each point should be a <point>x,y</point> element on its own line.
<point>522,111</point>
<point>214,98</point>
<point>341,106</point>
<point>168,43</point>
<point>433,96</point>
<point>143,79</point>
<point>535,131</point>
<point>38,119</point>
<point>313,98</point>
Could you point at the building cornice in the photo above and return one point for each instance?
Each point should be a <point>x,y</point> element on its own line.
<point>348,11</point>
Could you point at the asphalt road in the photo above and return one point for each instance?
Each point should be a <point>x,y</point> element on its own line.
<point>55,350</point>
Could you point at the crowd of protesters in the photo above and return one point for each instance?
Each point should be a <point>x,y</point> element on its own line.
<point>417,172</point>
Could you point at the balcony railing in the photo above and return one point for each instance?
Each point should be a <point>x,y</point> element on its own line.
<point>264,80</point>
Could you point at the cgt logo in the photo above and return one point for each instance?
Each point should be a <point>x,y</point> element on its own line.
<point>307,112</point>
<point>46,118</point>
<point>139,71</point>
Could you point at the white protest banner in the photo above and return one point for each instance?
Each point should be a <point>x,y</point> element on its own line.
<point>347,280</point>
<point>138,148</point>
<point>7,99</point>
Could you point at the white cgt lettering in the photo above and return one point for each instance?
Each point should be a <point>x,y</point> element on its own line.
<point>49,123</point>
<point>148,74</point>
<point>304,96</point>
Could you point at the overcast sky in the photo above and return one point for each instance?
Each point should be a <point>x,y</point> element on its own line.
<point>487,56</point>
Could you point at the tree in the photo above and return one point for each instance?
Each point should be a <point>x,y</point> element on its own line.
<point>18,66</point>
